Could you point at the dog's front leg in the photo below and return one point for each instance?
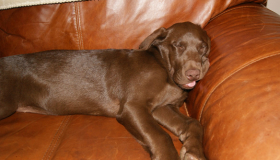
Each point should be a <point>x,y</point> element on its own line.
<point>188,130</point>
<point>139,122</point>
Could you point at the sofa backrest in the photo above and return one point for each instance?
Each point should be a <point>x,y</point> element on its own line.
<point>98,24</point>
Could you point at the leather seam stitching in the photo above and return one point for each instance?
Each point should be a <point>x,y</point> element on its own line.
<point>77,25</point>
<point>81,43</point>
<point>56,138</point>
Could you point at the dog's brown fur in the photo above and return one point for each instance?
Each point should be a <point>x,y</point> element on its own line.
<point>141,88</point>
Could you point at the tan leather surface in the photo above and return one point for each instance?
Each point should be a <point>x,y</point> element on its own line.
<point>34,136</point>
<point>98,24</point>
<point>238,101</point>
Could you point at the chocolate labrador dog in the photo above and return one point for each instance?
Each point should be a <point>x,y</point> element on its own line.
<point>140,88</point>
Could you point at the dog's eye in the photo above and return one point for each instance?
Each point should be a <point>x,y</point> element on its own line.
<point>203,48</point>
<point>179,46</point>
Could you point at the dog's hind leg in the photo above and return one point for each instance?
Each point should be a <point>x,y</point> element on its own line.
<point>8,104</point>
<point>6,109</point>
<point>8,94</point>
<point>7,91</point>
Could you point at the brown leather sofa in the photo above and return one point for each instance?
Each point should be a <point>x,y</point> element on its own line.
<point>238,101</point>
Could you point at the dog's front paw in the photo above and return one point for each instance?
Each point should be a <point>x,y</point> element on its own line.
<point>191,153</point>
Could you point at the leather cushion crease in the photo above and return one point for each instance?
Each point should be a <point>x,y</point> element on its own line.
<point>237,102</point>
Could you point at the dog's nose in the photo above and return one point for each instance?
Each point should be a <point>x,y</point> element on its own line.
<point>193,74</point>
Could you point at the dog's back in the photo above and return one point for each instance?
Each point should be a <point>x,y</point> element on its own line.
<point>58,82</point>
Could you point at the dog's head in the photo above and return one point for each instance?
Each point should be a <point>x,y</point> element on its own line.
<point>184,48</point>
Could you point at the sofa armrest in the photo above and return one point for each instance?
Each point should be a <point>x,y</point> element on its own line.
<point>238,100</point>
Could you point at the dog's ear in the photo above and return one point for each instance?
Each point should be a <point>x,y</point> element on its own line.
<point>156,36</point>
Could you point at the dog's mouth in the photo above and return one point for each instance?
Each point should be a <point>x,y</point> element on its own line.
<point>188,85</point>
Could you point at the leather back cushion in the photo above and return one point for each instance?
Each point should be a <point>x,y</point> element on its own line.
<point>98,24</point>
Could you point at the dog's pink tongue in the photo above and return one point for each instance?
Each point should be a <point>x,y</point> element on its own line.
<point>192,84</point>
